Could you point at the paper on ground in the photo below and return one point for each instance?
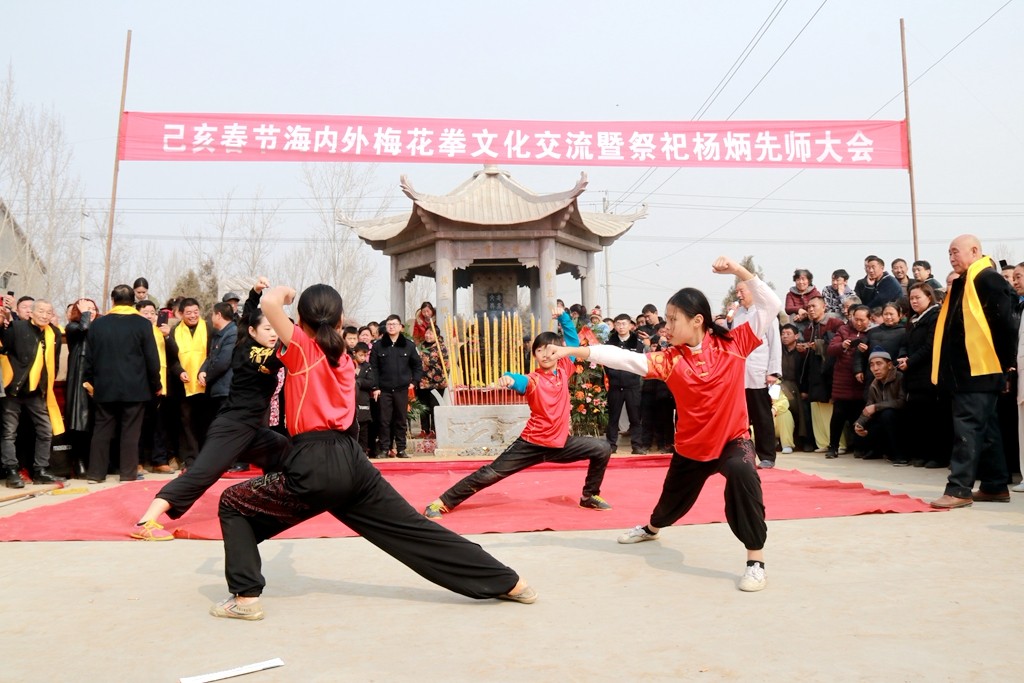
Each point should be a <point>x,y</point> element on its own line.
<point>231,673</point>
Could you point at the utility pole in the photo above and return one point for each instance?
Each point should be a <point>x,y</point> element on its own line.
<point>607,270</point>
<point>910,155</point>
<point>82,239</point>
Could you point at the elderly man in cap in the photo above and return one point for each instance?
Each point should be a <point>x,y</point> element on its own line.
<point>233,298</point>
<point>880,420</point>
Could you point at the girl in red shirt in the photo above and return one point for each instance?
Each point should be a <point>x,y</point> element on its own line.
<point>327,471</point>
<point>704,369</point>
<point>545,438</point>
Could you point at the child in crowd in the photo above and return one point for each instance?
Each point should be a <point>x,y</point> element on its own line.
<point>366,383</point>
<point>704,369</point>
<point>327,472</point>
<point>546,435</point>
<point>351,336</point>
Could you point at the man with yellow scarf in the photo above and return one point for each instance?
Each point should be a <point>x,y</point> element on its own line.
<point>33,353</point>
<point>192,338</point>
<point>975,343</point>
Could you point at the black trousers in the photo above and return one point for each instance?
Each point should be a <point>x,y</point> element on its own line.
<point>522,454</point>
<point>227,441</point>
<point>427,398</point>
<point>125,420</point>
<point>14,408</point>
<point>844,412</point>
<point>927,417</point>
<point>630,398</point>
<point>656,407</point>
<point>327,471</point>
<point>394,417</point>
<point>744,503</point>
<point>885,434</point>
<point>194,422</point>
<point>759,412</point>
<point>977,446</point>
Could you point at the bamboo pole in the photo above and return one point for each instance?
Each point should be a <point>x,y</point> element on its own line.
<point>910,154</point>
<point>117,166</point>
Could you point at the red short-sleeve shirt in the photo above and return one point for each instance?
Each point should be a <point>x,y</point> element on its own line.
<point>317,397</point>
<point>708,390</point>
<point>547,393</point>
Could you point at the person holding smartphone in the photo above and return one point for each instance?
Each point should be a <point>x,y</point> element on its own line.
<point>78,406</point>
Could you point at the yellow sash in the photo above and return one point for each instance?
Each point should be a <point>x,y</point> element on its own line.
<point>981,351</point>
<point>49,358</point>
<point>161,350</point>
<point>191,354</point>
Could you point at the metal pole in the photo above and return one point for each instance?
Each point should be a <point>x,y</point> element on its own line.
<point>117,166</point>
<point>910,155</point>
<point>607,272</point>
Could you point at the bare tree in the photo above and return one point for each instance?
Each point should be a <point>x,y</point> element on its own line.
<point>336,255</point>
<point>42,193</point>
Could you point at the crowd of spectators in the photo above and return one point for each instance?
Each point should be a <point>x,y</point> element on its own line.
<point>849,370</point>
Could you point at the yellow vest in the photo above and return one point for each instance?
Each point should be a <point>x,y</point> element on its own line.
<point>191,354</point>
<point>161,350</point>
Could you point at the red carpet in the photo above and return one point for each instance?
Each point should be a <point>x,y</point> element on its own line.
<point>542,498</point>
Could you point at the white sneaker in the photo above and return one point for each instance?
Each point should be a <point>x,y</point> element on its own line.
<point>753,579</point>
<point>786,450</point>
<point>1019,488</point>
<point>821,450</point>
<point>636,535</point>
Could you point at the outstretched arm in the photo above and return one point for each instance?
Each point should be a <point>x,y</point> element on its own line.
<point>274,301</point>
<point>766,303</point>
<point>608,356</point>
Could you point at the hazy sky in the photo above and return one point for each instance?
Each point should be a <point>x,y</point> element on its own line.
<point>571,61</point>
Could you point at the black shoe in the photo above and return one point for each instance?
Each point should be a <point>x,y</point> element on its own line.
<point>917,463</point>
<point>401,454</point>
<point>639,451</point>
<point>934,465</point>
<point>831,454</point>
<point>901,463</point>
<point>44,476</point>
<point>615,450</point>
<point>14,480</point>
<point>239,467</point>
<point>872,455</point>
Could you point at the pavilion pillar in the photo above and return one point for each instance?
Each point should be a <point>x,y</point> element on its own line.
<point>444,281</point>
<point>548,272</point>
<point>397,289</point>
<point>588,283</point>
<point>535,298</point>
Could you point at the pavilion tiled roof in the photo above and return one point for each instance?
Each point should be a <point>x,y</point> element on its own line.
<point>492,197</point>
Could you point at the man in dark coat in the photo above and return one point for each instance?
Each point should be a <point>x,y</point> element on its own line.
<point>123,368</point>
<point>32,347</point>
<point>399,368</point>
<point>974,347</point>
<point>624,387</point>
<point>877,287</point>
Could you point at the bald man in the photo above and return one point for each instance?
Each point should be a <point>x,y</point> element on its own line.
<point>975,345</point>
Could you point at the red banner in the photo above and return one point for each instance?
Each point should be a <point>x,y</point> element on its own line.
<point>149,136</point>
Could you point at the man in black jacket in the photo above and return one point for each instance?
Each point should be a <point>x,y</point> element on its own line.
<point>32,347</point>
<point>974,346</point>
<point>624,387</point>
<point>123,368</point>
<point>215,372</point>
<point>399,368</point>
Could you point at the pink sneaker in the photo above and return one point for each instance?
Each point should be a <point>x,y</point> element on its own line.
<point>151,531</point>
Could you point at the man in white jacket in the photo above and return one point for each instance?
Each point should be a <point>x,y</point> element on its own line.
<point>764,368</point>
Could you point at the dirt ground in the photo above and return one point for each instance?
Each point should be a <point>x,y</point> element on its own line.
<point>908,597</point>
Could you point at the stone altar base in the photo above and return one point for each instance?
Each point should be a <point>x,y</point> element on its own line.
<point>478,431</point>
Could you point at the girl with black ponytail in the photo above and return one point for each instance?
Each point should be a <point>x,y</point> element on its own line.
<point>704,369</point>
<point>238,433</point>
<point>327,471</point>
